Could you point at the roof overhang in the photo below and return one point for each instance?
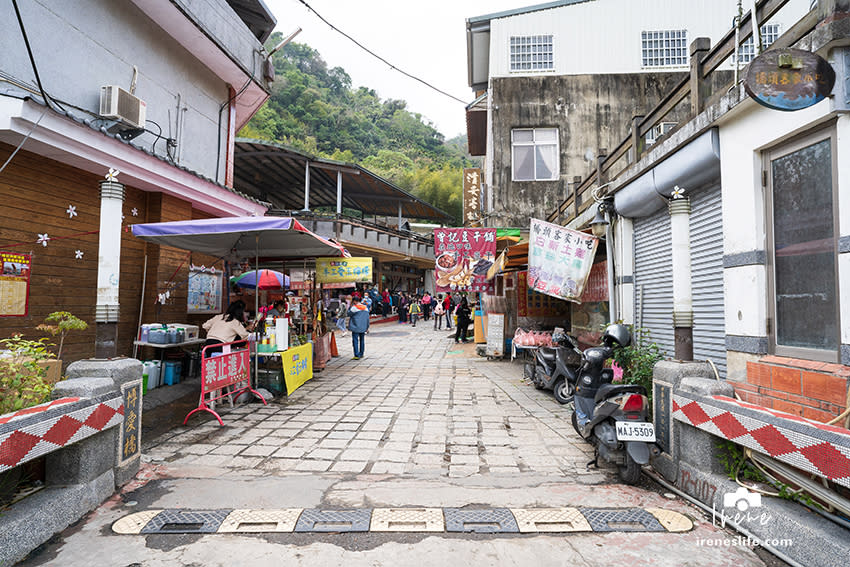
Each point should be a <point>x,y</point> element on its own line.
<point>60,138</point>
<point>277,174</point>
<point>212,53</point>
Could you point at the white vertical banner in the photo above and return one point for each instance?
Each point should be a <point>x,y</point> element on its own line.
<point>559,260</point>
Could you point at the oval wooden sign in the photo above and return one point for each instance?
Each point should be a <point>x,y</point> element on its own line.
<point>789,79</point>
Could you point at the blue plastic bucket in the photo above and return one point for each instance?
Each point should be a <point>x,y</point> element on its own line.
<point>171,372</point>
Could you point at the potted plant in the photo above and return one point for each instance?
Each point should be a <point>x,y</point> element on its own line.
<point>59,323</point>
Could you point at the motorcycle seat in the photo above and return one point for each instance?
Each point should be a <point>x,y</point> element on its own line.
<point>547,354</point>
<point>608,390</point>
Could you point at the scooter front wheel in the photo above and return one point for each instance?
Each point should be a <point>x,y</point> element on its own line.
<point>630,472</point>
<point>564,391</point>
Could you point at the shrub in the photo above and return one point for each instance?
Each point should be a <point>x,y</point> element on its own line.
<point>638,359</point>
<point>22,379</point>
<point>61,323</point>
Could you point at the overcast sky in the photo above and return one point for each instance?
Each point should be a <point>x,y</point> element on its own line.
<point>424,38</point>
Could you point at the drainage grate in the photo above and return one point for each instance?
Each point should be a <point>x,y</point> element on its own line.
<point>334,521</point>
<point>488,521</point>
<point>186,522</point>
<point>624,520</point>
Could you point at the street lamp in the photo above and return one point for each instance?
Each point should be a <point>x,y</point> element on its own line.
<point>599,224</point>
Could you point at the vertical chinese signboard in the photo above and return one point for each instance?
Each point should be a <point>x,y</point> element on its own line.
<point>463,257</point>
<point>559,260</point>
<point>131,428</point>
<point>14,284</point>
<point>471,196</point>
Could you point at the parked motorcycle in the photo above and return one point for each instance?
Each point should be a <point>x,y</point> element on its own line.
<point>613,417</point>
<point>555,368</point>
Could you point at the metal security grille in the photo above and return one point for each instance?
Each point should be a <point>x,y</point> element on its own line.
<point>707,277</point>
<point>654,277</point>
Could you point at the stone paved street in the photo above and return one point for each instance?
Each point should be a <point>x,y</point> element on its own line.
<point>419,422</point>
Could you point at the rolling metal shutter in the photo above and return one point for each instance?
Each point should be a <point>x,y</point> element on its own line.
<point>654,277</point>
<point>707,277</point>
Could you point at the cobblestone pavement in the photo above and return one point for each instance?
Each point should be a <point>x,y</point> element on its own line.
<point>417,404</point>
<point>419,423</point>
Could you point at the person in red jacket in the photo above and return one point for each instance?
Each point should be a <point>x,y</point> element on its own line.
<point>449,309</point>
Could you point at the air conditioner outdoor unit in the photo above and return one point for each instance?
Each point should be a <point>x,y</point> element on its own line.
<point>118,104</point>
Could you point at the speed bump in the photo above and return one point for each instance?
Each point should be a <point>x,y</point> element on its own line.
<point>550,520</point>
<point>134,523</point>
<point>672,521</point>
<point>260,521</point>
<point>407,520</point>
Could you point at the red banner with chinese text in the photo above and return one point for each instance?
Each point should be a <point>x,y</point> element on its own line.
<point>463,257</point>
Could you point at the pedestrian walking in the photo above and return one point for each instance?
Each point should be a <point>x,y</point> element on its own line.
<point>358,324</point>
<point>426,306</point>
<point>415,311</point>
<point>342,314</point>
<point>448,307</point>
<point>464,318</point>
<point>402,308</point>
<point>438,313</point>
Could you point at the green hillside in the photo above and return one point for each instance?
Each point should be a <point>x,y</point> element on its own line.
<point>317,110</point>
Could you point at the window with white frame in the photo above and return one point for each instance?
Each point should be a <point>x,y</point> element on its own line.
<point>747,51</point>
<point>532,53</point>
<point>664,48</point>
<point>803,256</point>
<point>535,154</point>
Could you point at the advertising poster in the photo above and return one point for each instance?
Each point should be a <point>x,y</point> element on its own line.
<point>463,257</point>
<point>205,290</point>
<point>297,366</point>
<point>559,260</point>
<point>534,304</point>
<point>340,270</point>
<point>14,284</point>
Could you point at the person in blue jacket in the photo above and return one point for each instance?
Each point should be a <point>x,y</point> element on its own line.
<point>358,324</point>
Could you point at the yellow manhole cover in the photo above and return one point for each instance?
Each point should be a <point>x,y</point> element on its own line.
<point>407,520</point>
<point>258,521</point>
<point>672,521</point>
<point>134,523</point>
<point>531,520</point>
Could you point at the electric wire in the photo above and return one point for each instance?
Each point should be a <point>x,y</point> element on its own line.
<point>378,57</point>
<point>47,99</point>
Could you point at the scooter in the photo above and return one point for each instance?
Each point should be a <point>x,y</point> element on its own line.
<point>613,417</point>
<point>555,368</point>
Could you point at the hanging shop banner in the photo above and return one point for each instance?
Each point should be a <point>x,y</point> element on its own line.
<point>596,288</point>
<point>205,290</point>
<point>471,196</point>
<point>297,366</point>
<point>789,79</point>
<point>15,284</point>
<point>534,304</point>
<point>338,270</point>
<point>559,260</point>
<point>463,257</point>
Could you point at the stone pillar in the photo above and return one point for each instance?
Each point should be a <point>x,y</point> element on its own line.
<point>108,267</point>
<point>683,312</point>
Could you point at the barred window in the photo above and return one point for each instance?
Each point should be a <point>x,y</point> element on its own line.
<point>664,48</point>
<point>532,53</point>
<point>747,51</point>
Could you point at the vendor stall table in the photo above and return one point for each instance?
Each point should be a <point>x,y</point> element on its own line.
<point>164,346</point>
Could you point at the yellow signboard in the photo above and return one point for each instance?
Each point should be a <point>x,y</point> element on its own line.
<point>335,270</point>
<point>297,366</point>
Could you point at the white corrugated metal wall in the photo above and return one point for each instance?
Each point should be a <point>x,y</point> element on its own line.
<point>654,277</point>
<point>604,36</point>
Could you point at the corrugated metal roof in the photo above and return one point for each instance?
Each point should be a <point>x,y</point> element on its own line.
<point>526,10</point>
<point>275,173</point>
